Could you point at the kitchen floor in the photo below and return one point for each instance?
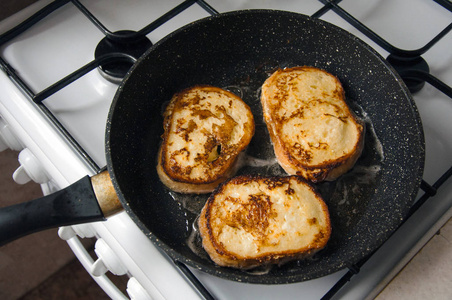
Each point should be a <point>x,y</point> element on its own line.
<point>42,266</point>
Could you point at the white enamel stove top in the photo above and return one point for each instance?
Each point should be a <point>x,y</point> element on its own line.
<point>65,41</point>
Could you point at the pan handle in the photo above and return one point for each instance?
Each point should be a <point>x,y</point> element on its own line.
<point>87,200</point>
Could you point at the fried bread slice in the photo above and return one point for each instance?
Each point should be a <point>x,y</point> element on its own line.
<point>313,131</point>
<point>205,130</point>
<point>251,221</point>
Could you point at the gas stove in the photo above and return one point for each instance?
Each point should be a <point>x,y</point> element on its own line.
<point>54,102</point>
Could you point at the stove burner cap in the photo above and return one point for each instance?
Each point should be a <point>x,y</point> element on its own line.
<point>402,64</point>
<point>116,70</point>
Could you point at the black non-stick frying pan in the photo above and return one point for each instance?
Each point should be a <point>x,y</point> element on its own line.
<point>238,51</point>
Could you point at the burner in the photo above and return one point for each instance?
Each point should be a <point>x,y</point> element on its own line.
<point>115,71</point>
<point>402,64</point>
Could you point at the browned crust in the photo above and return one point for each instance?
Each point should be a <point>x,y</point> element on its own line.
<point>328,170</point>
<point>177,177</point>
<point>221,256</point>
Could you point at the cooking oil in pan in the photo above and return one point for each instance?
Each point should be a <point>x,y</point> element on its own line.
<point>194,241</point>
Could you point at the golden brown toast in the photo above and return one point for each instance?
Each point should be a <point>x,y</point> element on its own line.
<point>313,131</point>
<point>252,221</point>
<point>205,130</point>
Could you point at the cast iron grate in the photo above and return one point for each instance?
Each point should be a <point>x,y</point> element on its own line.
<point>409,63</point>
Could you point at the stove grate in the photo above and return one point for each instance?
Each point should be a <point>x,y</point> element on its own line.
<point>400,59</point>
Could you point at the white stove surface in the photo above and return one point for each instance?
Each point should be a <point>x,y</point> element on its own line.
<point>65,41</point>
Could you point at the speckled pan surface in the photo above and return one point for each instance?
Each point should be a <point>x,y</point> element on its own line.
<point>238,51</point>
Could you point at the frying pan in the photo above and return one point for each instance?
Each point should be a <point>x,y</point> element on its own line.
<point>238,51</point>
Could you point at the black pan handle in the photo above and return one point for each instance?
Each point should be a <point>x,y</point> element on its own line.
<point>82,202</point>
